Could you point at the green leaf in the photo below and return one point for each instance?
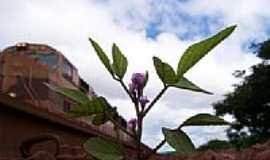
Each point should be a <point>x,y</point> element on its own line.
<point>75,95</point>
<point>184,83</point>
<point>146,76</point>
<point>103,149</point>
<point>196,51</point>
<point>100,119</point>
<point>164,71</point>
<point>120,62</point>
<point>102,56</point>
<point>179,141</point>
<point>204,119</point>
<point>96,106</point>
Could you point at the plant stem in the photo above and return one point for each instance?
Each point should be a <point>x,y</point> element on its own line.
<point>125,88</point>
<point>155,149</point>
<point>138,135</point>
<point>140,125</point>
<point>140,117</point>
<point>133,99</point>
<point>160,145</point>
<point>154,100</point>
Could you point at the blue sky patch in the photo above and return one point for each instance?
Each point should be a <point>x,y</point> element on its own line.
<point>186,27</point>
<point>152,30</point>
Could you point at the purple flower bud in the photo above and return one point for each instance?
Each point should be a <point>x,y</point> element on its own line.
<point>131,88</point>
<point>143,101</point>
<point>138,80</point>
<point>132,123</point>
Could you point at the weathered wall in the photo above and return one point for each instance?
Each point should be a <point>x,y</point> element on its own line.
<point>15,126</point>
<point>255,152</point>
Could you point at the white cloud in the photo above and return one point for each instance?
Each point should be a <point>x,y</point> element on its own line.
<point>66,25</point>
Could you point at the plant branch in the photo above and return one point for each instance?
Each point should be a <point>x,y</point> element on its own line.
<point>125,88</point>
<point>139,136</point>
<point>160,145</point>
<point>155,149</point>
<point>133,99</point>
<point>137,109</point>
<point>155,100</point>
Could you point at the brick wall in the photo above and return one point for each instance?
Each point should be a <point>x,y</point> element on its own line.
<point>16,126</point>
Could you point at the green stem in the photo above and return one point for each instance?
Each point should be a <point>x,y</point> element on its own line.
<point>125,88</point>
<point>133,99</point>
<point>160,145</point>
<point>155,149</point>
<point>139,137</point>
<point>154,100</point>
<point>140,116</point>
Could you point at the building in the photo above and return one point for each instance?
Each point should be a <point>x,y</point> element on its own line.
<point>28,108</point>
<point>25,68</point>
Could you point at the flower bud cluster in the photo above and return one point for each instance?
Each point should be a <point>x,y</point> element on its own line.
<point>136,86</point>
<point>132,123</point>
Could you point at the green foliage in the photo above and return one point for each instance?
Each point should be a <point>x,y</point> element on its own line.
<point>216,145</point>
<point>96,106</point>
<point>179,141</point>
<point>73,94</point>
<point>102,56</point>
<point>190,57</point>
<point>102,111</point>
<point>204,119</point>
<point>146,77</point>
<point>184,83</point>
<point>103,149</point>
<point>248,104</point>
<point>164,71</point>
<point>100,119</point>
<point>264,50</point>
<point>105,116</point>
<point>120,62</point>
<point>198,50</point>
<point>245,141</point>
<point>177,138</point>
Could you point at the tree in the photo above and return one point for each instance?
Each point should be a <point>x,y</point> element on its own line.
<point>249,103</point>
<point>215,145</point>
<point>263,49</point>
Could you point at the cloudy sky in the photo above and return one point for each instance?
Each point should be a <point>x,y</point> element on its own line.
<point>142,29</point>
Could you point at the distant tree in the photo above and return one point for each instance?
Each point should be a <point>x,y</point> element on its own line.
<point>263,49</point>
<point>249,103</point>
<point>215,145</point>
